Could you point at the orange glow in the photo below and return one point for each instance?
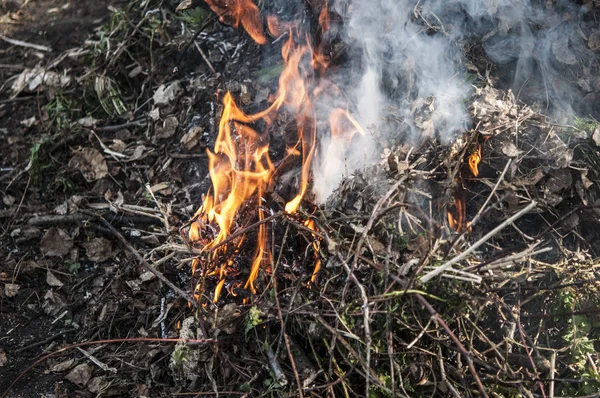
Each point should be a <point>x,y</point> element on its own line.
<point>240,167</point>
<point>243,12</point>
<point>474,161</point>
<point>310,224</point>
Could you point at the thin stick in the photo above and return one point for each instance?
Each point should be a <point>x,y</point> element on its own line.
<point>480,242</point>
<point>489,198</point>
<point>286,339</point>
<point>21,43</point>
<point>141,259</point>
<point>461,349</point>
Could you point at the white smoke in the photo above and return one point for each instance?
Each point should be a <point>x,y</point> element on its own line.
<point>408,62</point>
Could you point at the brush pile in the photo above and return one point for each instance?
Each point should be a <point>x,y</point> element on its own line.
<point>456,263</point>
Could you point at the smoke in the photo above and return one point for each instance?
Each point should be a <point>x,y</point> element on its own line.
<point>408,62</point>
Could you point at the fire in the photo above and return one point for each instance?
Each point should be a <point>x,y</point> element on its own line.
<point>310,224</point>
<point>474,160</point>
<point>241,169</point>
<point>243,12</point>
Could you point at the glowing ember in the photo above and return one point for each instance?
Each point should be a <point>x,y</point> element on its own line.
<point>240,166</point>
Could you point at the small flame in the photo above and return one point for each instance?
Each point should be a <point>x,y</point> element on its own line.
<point>310,224</point>
<point>474,160</point>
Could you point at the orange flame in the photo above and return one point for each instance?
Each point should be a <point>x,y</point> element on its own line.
<point>310,224</point>
<point>243,12</point>
<point>474,160</point>
<point>240,167</point>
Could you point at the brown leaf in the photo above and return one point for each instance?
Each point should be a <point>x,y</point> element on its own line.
<point>56,242</point>
<point>11,289</point>
<point>90,162</point>
<point>62,366</point>
<point>191,138</point>
<point>52,280</point>
<point>168,128</point>
<point>80,375</point>
<point>98,249</point>
<point>97,384</point>
<point>3,358</point>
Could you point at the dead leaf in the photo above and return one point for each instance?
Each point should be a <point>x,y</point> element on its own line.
<point>594,40</point>
<point>52,280</point>
<point>138,152</point>
<point>165,94</point>
<point>191,138</point>
<point>98,249</point>
<point>30,122</point>
<point>56,242</point>
<point>8,200</point>
<point>11,289</point>
<point>3,358</point>
<point>80,375</point>
<point>97,384</point>
<point>596,136</point>
<point>168,128</point>
<point>510,150</point>
<point>184,5</point>
<point>62,366</point>
<point>53,303</point>
<point>227,318</point>
<point>31,79</point>
<point>90,162</point>
<point>161,186</point>
<point>87,121</point>
<point>559,180</point>
<point>563,52</point>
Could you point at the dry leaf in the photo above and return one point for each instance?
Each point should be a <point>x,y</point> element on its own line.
<point>11,289</point>
<point>52,280</point>
<point>80,375</point>
<point>168,128</point>
<point>184,5</point>
<point>31,79</point>
<point>594,40</point>
<point>97,384</point>
<point>596,136</point>
<point>62,366</point>
<point>510,150</point>
<point>3,358</point>
<point>98,249</point>
<point>165,94</point>
<point>56,242</point>
<point>563,52</point>
<point>8,200</point>
<point>191,138</point>
<point>53,303</point>
<point>90,162</point>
